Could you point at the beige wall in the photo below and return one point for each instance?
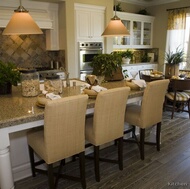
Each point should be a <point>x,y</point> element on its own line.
<point>131,8</point>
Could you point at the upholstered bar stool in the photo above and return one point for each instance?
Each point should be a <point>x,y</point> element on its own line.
<point>107,124</point>
<point>149,113</point>
<point>62,137</point>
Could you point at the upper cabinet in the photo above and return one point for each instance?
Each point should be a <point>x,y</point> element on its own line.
<point>140,28</point>
<point>89,22</point>
<point>52,35</point>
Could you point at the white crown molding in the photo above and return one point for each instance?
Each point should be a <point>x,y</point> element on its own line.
<point>148,3</point>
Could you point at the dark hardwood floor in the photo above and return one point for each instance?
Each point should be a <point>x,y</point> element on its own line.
<point>169,168</point>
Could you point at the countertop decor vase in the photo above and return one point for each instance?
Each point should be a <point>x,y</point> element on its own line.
<point>5,88</point>
<point>171,70</point>
<point>173,59</point>
<point>126,55</point>
<point>126,60</point>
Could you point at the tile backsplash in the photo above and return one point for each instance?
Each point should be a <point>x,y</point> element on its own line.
<point>28,51</point>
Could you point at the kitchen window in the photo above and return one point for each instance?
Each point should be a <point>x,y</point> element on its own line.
<point>178,34</point>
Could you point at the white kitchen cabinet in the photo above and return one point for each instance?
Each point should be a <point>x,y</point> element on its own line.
<point>89,22</point>
<point>140,28</point>
<point>52,35</point>
<point>132,68</point>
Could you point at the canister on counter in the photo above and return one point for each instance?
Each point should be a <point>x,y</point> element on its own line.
<point>30,83</point>
<point>53,84</point>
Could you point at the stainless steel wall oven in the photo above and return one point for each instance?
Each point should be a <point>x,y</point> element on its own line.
<point>87,50</point>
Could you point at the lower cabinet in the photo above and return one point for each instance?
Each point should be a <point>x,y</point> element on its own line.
<point>133,69</point>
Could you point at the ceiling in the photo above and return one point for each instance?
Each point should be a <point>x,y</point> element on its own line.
<point>136,2</point>
<point>148,2</point>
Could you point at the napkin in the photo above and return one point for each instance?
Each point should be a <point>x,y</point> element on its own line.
<point>52,96</point>
<point>141,83</point>
<point>98,88</point>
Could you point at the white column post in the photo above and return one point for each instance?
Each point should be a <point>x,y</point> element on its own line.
<point>6,176</point>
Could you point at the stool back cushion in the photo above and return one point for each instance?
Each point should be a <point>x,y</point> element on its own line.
<point>108,122</point>
<point>64,123</point>
<point>152,103</point>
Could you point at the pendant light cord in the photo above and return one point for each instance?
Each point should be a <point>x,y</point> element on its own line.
<point>21,8</point>
<point>115,16</point>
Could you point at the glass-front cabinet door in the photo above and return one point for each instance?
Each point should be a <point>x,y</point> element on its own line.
<point>147,33</point>
<point>140,28</point>
<point>123,40</point>
<point>127,39</point>
<point>136,34</point>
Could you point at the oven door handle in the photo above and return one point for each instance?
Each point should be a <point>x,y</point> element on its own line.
<point>86,72</point>
<point>95,49</point>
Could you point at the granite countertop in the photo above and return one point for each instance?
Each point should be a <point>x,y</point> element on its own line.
<point>16,109</point>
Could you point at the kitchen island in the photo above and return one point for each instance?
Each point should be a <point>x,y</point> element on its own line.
<point>19,113</point>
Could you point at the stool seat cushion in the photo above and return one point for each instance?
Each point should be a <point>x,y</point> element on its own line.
<point>180,96</point>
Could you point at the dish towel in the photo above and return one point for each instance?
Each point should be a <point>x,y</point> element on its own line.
<point>95,88</point>
<point>141,83</point>
<point>52,96</point>
<point>98,88</point>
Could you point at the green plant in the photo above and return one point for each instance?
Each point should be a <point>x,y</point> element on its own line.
<point>143,12</point>
<point>126,54</point>
<point>117,7</point>
<point>175,57</point>
<point>106,64</point>
<point>9,73</point>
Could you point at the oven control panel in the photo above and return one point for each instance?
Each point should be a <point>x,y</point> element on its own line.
<point>97,45</point>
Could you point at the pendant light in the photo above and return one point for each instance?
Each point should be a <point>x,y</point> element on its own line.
<point>21,23</point>
<point>115,28</point>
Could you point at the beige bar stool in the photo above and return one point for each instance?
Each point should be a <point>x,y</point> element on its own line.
<point>149,113</point>
<point>62,137</point>
<point>107,124</point>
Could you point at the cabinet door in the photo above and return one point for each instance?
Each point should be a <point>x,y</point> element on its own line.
<point>140,28</point>
<point>96,25</point>
<point>125,40</point>
<point>89,25</point>
<point>147,35</point>
<point>83,20</point>
<point>136,34</point>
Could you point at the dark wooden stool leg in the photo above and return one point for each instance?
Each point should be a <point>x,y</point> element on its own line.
<point>62,163</point>
<point>133,132</point>
<point>142,136</point>
<point>120,153</point>
<point>96,163</point>
<point>158,131</point>
<point>31,154</point>
<point>51,176</point>
<point>82,169</point>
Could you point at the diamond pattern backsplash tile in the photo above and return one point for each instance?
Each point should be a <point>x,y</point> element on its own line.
<point>28,51</point>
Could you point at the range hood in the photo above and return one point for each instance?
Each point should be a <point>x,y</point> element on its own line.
<point>41,12</point>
